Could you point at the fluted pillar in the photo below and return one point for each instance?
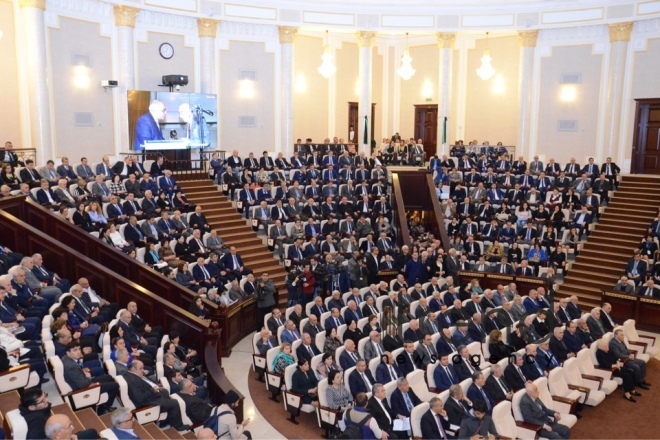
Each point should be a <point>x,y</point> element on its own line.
<point>125,17</point>
<point>38,78</point>
<point>207,29</point>
<point>366,41</point>
<point>287,38</point>
<point>619,38</point>
<point>525,69</point>
<point>446,47</point>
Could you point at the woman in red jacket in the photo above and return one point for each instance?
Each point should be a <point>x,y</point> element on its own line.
<point>308,285</point>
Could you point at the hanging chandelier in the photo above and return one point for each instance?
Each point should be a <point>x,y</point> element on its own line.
<point>327,67</point>
<point>406,70</point>
<point>486,70</point>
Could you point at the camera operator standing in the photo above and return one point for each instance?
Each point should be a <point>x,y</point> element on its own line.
<point>293,282</point>
<point>265,294</point>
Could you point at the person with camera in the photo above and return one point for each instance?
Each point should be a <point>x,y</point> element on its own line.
<point>265,294</point>
<point>308,284</point>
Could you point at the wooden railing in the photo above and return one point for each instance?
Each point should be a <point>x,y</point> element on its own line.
<point>236,322</point>
<point>23,154</point>
<point>437,216</point>
<point>207,336</point>
<point>490,280</point>
<point>399,213</point>
<point>644,310</point>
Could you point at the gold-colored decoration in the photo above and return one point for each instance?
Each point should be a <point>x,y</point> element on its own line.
<point>620,31</point>
<point>366,38</point>
<point>125,15</point>
<point>39,4</point>
<point>446,40</point>
<point>207,27</point>
<point>528,38</point>
<point>288,34</point>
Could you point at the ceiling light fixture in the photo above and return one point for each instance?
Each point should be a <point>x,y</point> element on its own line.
<point>406,70</point>
<point>486,70</point>
<point>327,67</point>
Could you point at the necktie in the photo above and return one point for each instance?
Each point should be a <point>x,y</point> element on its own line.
<point>522,376</point>
<point>392,373</point>
<point>366,381</point>
<point>293,335</point>
<point>338,324</point>
<point>309,349</point>
<point>649,292</point>
<point>443,434</point>
<point>409,403</point>
<point>483,393</point>
<point>449,375</point>
<point>279,322</point>
<point>355,359</point>
<point>469,366</point>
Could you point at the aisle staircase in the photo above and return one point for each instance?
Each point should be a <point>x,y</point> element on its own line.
<point>616,236</point>
<point>235,231</point>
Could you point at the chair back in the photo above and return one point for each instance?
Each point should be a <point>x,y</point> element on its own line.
<point>17,424</point>
<point>503,420</point>
<point>416,419</point>
<point>515,405</point>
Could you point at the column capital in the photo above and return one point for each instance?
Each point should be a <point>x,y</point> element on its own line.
<point>125,15</point>
<point>620,31</point>
<point>39,4</point>
<point>446,40</point>
<point>288,34</point>
<point>528,38</point>
<point>207,27</point>
<point>366,38</point>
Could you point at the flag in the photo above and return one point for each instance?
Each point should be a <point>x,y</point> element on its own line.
<point>365,137</point>
<point>444,131</point>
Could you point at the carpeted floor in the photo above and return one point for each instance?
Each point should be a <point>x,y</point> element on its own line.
<point>614,418</point>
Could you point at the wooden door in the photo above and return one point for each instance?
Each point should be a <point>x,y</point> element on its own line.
<point>426,127</point>
<point>646,139</point>
<point>354,120</point>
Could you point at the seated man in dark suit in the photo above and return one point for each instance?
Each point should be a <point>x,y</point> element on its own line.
<point>360,380</point>
<point>318,308</point>
<point>266,342</point>
<point>545,358</point>
<point>307,350</point>
<point>403,399</point>
<point>457,405</point>
<point>380,409</point>
<point>497,386</point>
<point>197,410</point>
<point>444,374</point>
<point>514,374</point>
<point>350,357</point>
<point>143,392</point>
<point>479,424</point>
<point>477,391</point>
<point>132,337</point>
<point>406,360</point>
<point>435,421</point>
<point>46,197</point>
<point>558,346</point>
<point>78,377</point>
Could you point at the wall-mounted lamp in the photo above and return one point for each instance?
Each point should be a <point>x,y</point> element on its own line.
<point>301,83</point>
<point>568,93</point>
<point>81,77</point>
<point>246,89</point>
<point>499,86</point>
<point>427,89</point>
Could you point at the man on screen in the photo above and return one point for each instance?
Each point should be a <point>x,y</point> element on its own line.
<point>147,128</point>
<point>197,132</point>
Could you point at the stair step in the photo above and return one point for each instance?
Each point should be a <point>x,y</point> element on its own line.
<point>154,431</point>
<point>137,428</point>
<point>90,419</point>
<point>601,277</point>
<point>172,433</point>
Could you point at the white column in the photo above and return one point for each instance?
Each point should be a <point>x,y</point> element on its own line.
<point>38,78</point>
<point>619,38</point>
<point>207,28</point>
<point>125,17</point>
<point>287,38</point>
<point>525,70</point>
<point>366,41</point>
<point>446,45</point>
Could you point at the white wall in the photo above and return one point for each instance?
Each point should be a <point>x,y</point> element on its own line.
<point>10,125</point>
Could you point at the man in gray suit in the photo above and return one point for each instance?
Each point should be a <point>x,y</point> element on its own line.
<point>426,352</point>
<point>50,173</point>
<point>100,190</point>
<point>293,209</point>
<point>121,364</point>
<point>374,347</point>
<point>78,377</point>
<point>280,237</point>
<point>518,309</point>
<point>27,264</point>
<point>133,186</point>
<point>65,196</point>
<point>85,171</point>
<point>536,166</point>
<point>535,412</point>
<point>431,325</point>
<point>216,244</point>
<point>623,286</point>
<point>104,168</point>
<point>636,366</point>
<point>266,342</point>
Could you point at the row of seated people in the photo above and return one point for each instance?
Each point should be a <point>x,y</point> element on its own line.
<point>473,149</point>
<point>14,172</point>
<point>388,367</point>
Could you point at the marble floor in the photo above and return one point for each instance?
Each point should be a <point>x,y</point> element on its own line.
<point>238,367</point>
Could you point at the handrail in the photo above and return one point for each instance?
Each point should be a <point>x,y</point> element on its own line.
<point>23,154</point>
<point>439,215</point>
<point>400,212</point>
<point>72,264</point>
<point>58,228</point>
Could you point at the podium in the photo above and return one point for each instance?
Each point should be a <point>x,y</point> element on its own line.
<point>171,150</point>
